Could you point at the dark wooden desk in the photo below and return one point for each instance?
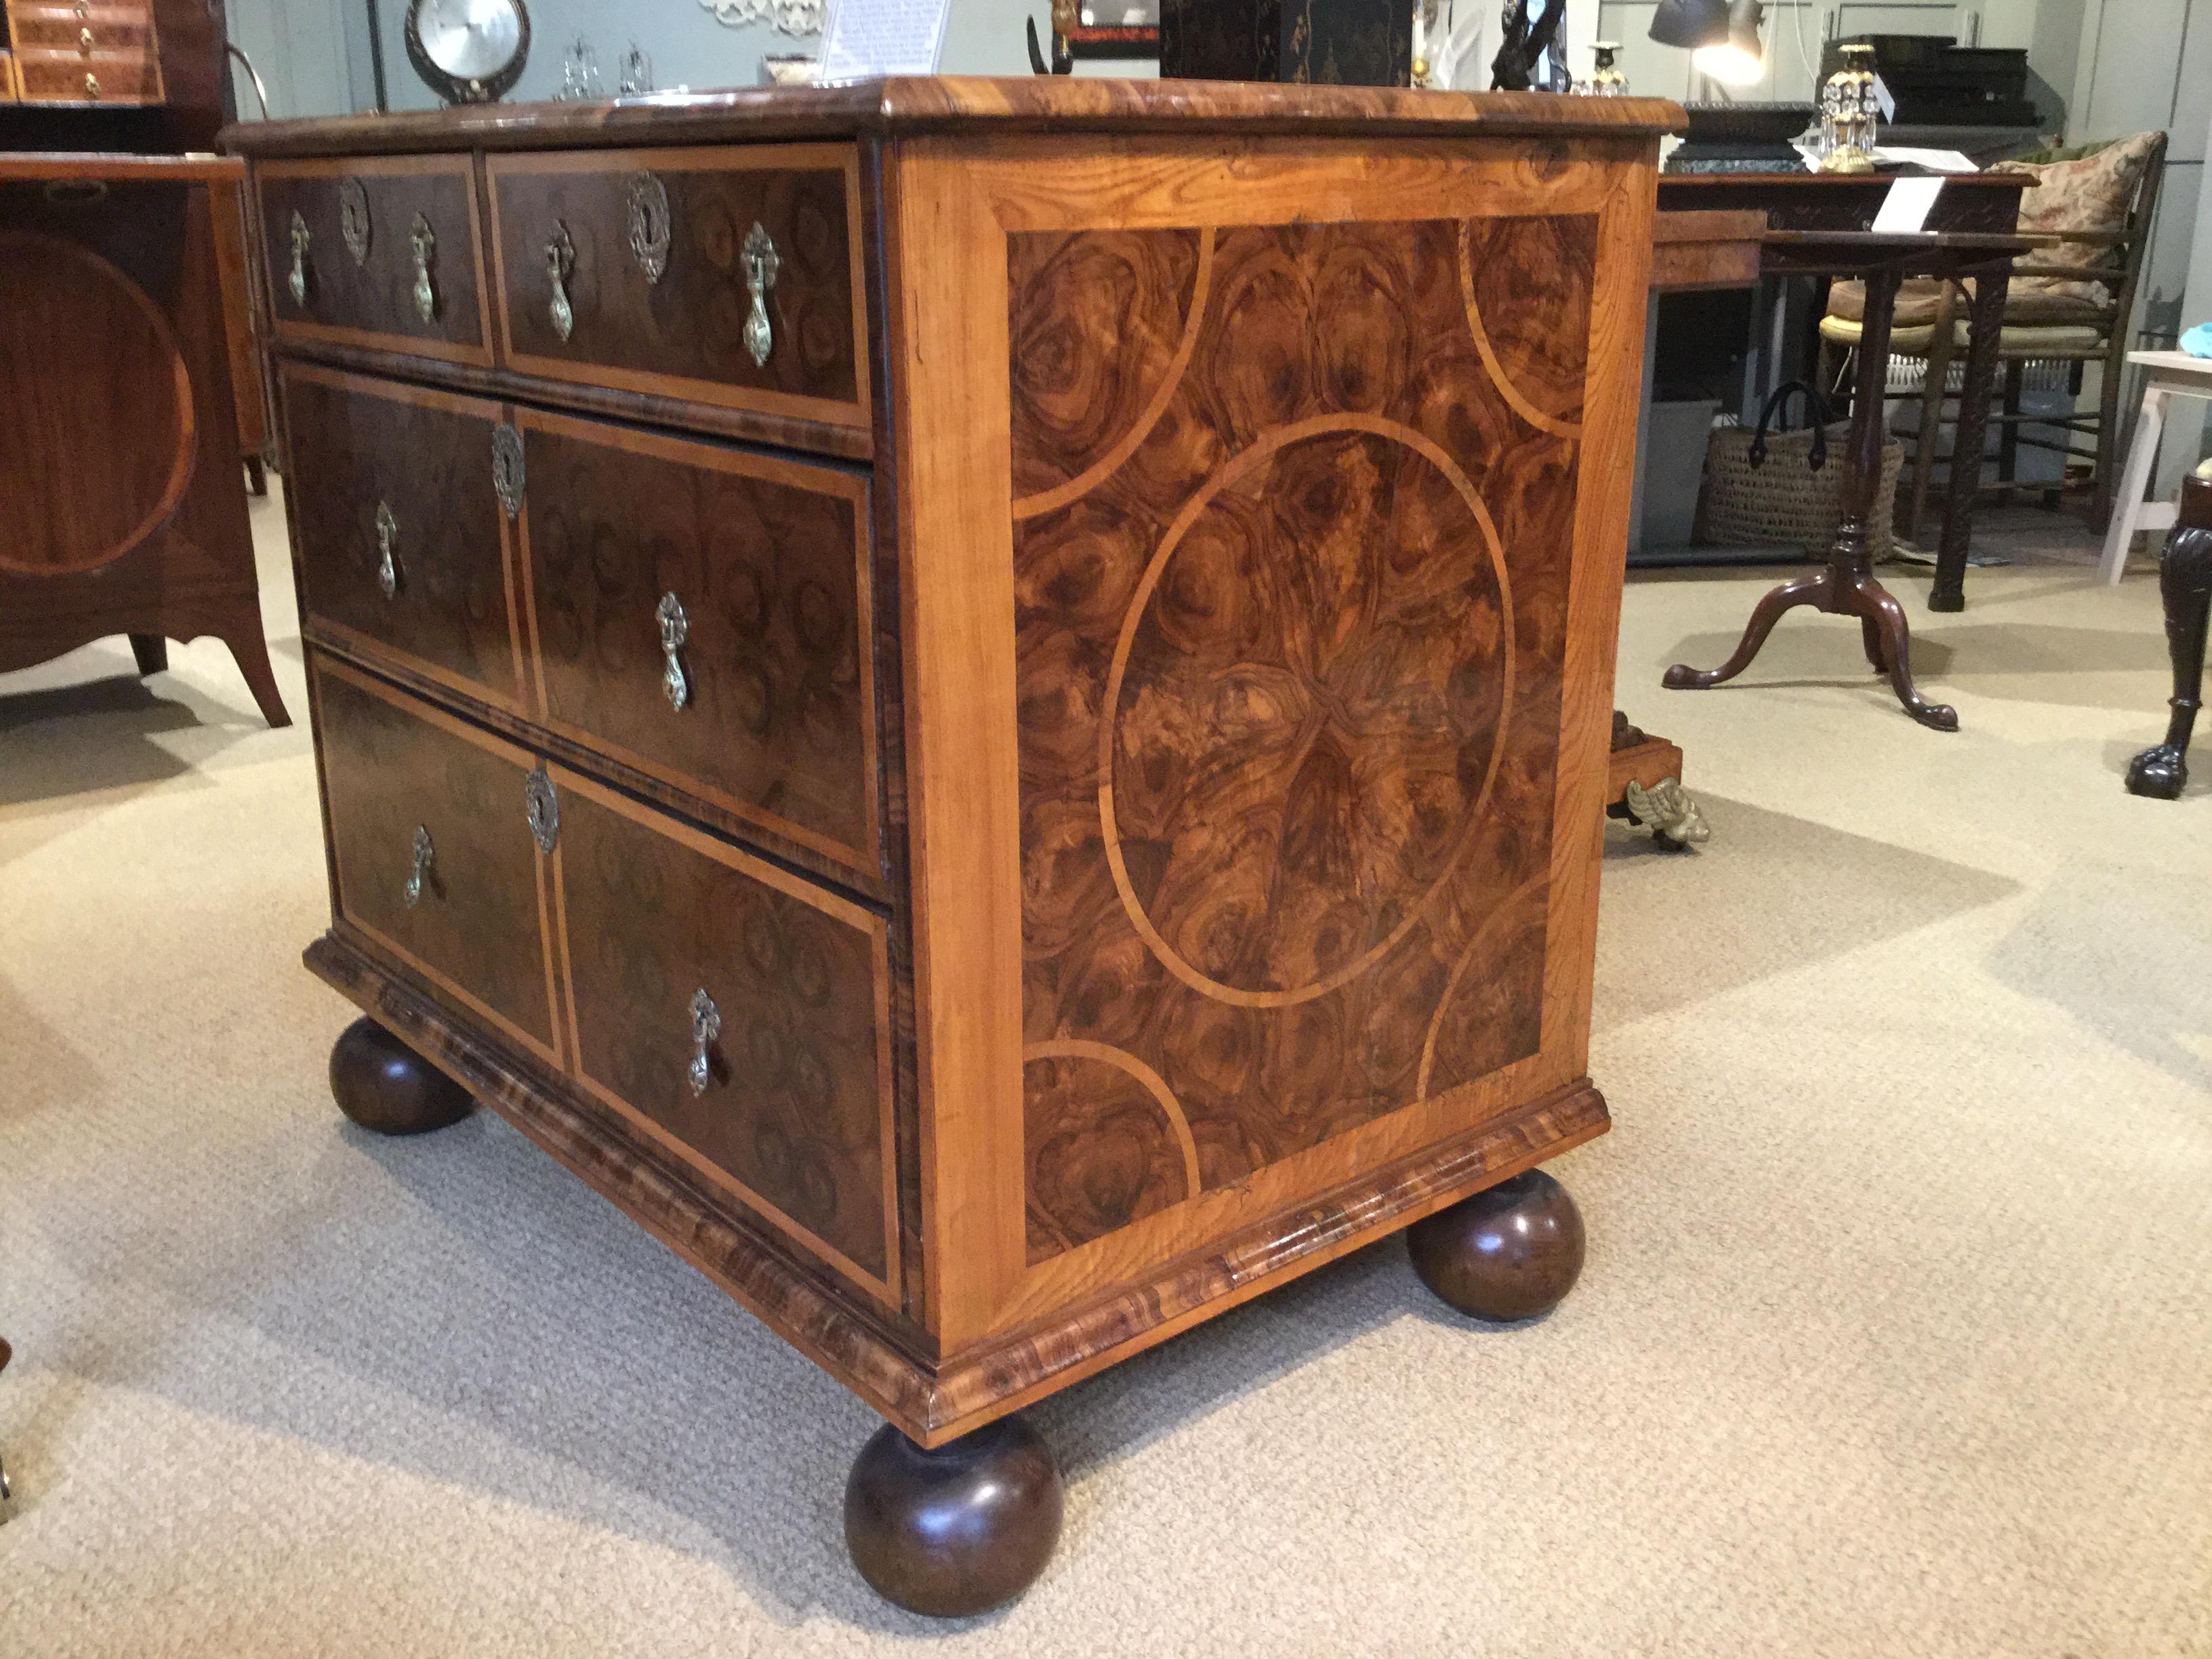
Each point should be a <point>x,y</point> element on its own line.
<point>1846,585</point>
<point>1818,203</point>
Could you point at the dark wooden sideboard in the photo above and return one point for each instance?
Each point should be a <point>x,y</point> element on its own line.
<point>987,703</point>
<point>129,389</point>
<point>122,507</point>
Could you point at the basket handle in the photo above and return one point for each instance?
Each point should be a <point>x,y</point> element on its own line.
<point>1816,414</point>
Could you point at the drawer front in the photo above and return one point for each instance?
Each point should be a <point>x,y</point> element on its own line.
<point>361,237</point>
<point>94,29</point>
<point>395,768</point>
<point>50,76</point>
<point>794,1117</point>
<point>757,568</point>
<point>692,330</point>
<point>7,76</point>
<point>379,468</point>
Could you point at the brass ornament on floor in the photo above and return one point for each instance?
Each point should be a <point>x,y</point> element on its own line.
<point>1668,812</point>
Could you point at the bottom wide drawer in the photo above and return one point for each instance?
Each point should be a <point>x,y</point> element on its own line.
<point>433,852</point>
<point>740,1016</point>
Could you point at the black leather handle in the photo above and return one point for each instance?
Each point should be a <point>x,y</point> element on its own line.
<point>1816,415</point>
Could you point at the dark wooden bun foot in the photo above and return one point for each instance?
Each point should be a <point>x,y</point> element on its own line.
<point>1510,1252</point>
<point>384,1086</point>
<point>959,1530</point>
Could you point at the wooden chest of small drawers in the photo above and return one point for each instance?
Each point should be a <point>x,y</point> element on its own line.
<point>986,703</point>
<point>84,51</point>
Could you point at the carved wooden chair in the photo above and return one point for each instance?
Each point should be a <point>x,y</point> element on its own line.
<point>2071,303</point>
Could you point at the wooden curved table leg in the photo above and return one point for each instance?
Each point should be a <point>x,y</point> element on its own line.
<point>251,652</point>
<point>1870,636</point>
<point>1805,590</point>
<point>1880,611</point>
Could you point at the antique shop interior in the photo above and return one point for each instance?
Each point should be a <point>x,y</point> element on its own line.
<point>1105,827</point>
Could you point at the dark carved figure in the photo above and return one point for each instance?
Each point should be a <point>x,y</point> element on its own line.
<point>1524,45</point>
<point>2184,576</point>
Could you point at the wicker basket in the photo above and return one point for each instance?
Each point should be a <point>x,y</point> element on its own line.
<point>1763,486</point>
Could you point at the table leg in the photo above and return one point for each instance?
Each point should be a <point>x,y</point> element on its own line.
<point>1985,330</point>
<point>2184,574</point>
<point>1846,587</point>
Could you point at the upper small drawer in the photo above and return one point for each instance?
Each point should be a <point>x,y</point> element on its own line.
<point>57,24</point>
<point>729,276</point>
<point>377,251</point>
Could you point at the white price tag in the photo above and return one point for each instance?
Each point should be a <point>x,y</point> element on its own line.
<point>1905,209</point>
<point>1882,100</point>
<point>864,39</point>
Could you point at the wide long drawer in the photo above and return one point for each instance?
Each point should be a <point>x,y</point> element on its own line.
<point>379,252</point>
<point>433,852</point>
<point>703,614</point>
<point>404,548</point>
<point>726,276</point>
<point>738,1015</point>
<point>70,75</point>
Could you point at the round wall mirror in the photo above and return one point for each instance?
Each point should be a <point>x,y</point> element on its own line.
<point>468,51</point>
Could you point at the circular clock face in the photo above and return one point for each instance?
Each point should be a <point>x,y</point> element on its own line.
<point>470,39</point>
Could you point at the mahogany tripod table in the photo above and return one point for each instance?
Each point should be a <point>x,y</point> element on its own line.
<point>1846,584</point>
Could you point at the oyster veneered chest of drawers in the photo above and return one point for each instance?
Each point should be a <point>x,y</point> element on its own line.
<point>986,703</point>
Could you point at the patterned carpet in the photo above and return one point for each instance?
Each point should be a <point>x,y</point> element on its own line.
<point>1895,1337</point>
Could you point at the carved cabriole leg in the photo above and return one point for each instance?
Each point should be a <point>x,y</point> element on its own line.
<point>957,1530</point>
<point>384,1086</point>
<point>2184,576</point>
<point>1512,1251</point>
<point>1804,590</point>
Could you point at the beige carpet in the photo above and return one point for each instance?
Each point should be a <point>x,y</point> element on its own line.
<point>1896,1338</point>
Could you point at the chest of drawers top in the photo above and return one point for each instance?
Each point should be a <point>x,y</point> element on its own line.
<point>703,261</point>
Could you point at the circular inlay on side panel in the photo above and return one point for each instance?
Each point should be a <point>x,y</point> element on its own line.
<point>99,409</point>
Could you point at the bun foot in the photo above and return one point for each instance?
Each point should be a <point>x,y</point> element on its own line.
<point>2162,773</point>
<point>958,1530</point>
<point>1510,1252</point>
<point>384,1086</point>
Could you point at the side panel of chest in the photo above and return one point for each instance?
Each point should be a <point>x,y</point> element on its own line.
<point>1286,621</point>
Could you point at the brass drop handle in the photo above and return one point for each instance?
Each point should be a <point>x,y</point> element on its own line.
<point>418,870</point>
<point>706,1026</point>
<point>675,630</point>
<point>761,262</point>
<point>560,265</point>
<point>387,540</point>
<point>297,281</point>
<point>425,252</point>
<point>92,85</point>
<point>84,41</point>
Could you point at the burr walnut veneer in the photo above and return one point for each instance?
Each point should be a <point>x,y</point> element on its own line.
<point>986,703</point>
